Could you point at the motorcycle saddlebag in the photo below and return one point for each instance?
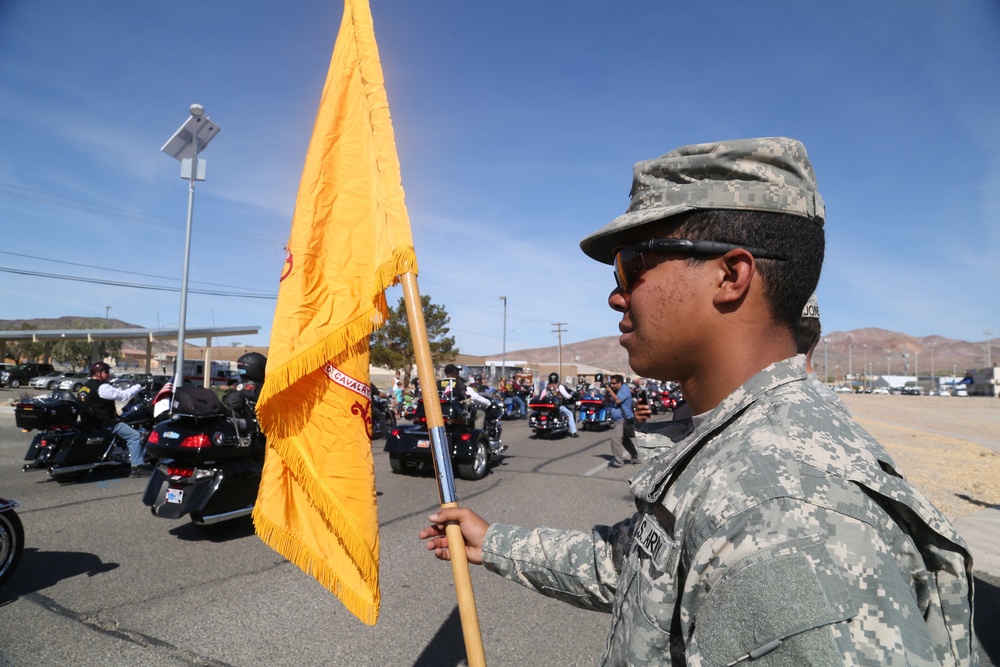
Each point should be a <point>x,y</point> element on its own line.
<point>45,413</point>
<point>197,402</point>
<point>86,447</point>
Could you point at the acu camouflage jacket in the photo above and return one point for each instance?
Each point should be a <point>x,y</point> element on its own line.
<point>777,533</point>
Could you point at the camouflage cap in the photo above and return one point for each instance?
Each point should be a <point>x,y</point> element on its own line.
<point>812,307</point>
<point>768,174</point>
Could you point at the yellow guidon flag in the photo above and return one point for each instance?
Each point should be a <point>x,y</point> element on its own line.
<point>350,240</point>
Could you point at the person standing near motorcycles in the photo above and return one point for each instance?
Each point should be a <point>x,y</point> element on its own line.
<point>554,388</point>
<point>623,417</point>
<point>99,396</point>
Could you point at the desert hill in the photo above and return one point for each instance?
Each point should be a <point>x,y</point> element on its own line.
<point>885,352</point>
<point>846,351</point>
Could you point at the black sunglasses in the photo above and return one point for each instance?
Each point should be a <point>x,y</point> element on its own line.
<point>630,260</point>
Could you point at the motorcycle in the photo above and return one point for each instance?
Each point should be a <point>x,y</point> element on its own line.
<point>593,411</point>
<point>11,539</point>
<point>210,461</point>
<point>382,426</point>
<point>471,449</point>
<point>545,419</point>
<point>68,449</point>
<point>514,410</point>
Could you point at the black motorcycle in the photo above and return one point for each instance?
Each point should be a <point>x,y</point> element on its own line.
<point>546,420</point>
<point>471,449</point>
<point>67,448</point>
<point>210,461</point>
<point>383,418</point>
<point>11,539</point>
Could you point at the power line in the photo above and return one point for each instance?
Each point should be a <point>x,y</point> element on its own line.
<point>117,283</point>
<point>119,271</point>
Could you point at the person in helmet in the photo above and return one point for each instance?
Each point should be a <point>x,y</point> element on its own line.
<point>462,392</point>
<point>98,396</point>
<point>556,390</point>
<point>242,400</point>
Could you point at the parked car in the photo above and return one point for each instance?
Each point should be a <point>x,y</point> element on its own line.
<point>74,381</point>
<point>842,390</point>
<point>126,380</point>
<point>961,392</point>
<point>881,390</point>
<point>912,391</point>
<point>22,373</point>
<point>49,380</point>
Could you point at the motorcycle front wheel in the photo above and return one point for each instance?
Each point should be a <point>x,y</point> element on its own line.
<point>11,544</point>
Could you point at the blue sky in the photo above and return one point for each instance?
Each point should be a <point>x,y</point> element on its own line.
<point>517,124</point>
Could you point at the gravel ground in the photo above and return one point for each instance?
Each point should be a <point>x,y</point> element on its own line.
<point>948,447</point>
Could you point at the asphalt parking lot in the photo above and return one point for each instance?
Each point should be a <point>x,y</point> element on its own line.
<point>103,582</point>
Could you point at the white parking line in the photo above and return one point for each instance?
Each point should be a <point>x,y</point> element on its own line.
<point>596,470</point>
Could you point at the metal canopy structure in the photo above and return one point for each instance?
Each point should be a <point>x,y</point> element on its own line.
<point>149,335</point>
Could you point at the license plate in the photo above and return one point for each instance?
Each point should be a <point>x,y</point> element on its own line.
<point>175,496</point>
<point>424,444</point>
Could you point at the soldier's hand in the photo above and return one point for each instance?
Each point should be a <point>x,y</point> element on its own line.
<point>642,412</point>
<point>473,531</point>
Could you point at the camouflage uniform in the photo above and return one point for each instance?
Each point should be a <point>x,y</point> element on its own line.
<point>778,532</point>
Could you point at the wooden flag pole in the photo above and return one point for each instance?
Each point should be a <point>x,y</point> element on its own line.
<point>442,469</point>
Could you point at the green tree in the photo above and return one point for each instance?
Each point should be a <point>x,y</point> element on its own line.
<point>392,347</point>
<point>25,350</point>
<point>77,353</point>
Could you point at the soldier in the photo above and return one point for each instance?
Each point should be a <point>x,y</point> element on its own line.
<point>778,532</point>
<point>807,337</point>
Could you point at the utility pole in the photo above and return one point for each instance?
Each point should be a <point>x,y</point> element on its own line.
<point>989,334</point>
<point>559,331</point>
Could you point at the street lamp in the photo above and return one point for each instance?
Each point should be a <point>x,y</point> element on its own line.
<point>850,365</point>
<point>988,333</point>
<point>503,362</point>
<point>864,347</point>
<point>190,139</point>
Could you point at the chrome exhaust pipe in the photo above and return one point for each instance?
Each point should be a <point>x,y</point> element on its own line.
<point>224,516</point>
<point>82,467</point>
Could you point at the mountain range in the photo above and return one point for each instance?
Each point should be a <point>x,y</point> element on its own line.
<point>885,352</point>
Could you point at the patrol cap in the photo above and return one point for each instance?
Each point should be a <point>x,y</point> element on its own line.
<point>812,307</point>
<point>765,174</point>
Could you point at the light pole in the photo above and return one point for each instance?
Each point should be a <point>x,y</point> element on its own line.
<point>107,309</point>
<point>864,347</point>
<point>988,333</point>
<point>503,362</point>
<point>888,367</point>
<point>559,330</point>
<point>190,139</point>
<point>850,365</point>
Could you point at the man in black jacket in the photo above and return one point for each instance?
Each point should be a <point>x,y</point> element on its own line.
<point>99,396</point>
